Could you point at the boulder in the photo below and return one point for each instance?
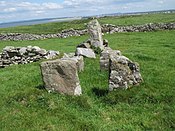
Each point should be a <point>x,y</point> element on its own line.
<point>123,73</point>
<point>61,76</point>
<point>95,32</point>
<point>85,52</point>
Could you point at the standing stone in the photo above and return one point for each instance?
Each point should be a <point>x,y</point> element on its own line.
<point>123,73</point>
<point>85,52</point>
<point>105,56</point>
<point>95,32</point>
<point>61,76</point>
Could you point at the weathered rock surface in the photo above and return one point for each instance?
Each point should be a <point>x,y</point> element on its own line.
<point>61,76</point>
<point>123,73</point>
<point>79,61</point>
<point>105,57</point>
<point>85,52</point>
<point>95,32</point>
<point>22,55</point>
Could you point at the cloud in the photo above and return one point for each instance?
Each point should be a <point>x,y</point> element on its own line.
<point>9,10</point>
<point>34,9</point>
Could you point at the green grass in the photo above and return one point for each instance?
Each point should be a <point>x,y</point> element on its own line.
<point>24,105</point>
<point>56,27</point>
<point>139,19</point>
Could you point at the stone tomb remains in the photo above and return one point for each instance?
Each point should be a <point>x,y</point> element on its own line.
<point>62,75</point>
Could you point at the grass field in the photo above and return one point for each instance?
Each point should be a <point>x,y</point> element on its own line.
<point>25,105</point>
<point>81,24</point>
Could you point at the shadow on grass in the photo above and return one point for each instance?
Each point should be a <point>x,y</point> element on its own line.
<point>100,92</point>
<point>40,87</point>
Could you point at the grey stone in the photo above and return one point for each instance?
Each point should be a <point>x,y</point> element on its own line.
<point>95,32</point>
<point>61,76</point>
<point>79,62</point>
<point>85,52</point>
<point>123,73</point>
<point>105,57</point>
<point>23,50</point>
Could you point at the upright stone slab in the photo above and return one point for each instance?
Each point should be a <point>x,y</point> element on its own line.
<point>105,56</point>
<point>123,73</point>
<point>95,32</point>
<point>61,76</point>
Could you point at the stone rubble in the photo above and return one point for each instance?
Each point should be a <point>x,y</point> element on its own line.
<point>22,55</point>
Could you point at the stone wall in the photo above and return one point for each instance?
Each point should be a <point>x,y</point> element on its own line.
<point>22,55</point>
<point>107,28</point>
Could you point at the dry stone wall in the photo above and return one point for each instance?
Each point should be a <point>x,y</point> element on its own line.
<point>22,55</point>
<point>107,28</point>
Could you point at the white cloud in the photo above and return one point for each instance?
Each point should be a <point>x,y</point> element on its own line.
<point>25,9</point>
<point>51,6</point>
<point>9,10</point>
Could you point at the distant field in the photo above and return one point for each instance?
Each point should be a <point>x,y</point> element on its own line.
<point>81,24</point>
<point>24,105</point>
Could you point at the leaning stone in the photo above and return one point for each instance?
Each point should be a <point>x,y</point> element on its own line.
<point>61,76</point>
<point>95,32</point>
<point>85,52</point>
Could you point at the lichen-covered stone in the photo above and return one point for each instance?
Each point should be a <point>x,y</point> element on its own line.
<point>123,73</point>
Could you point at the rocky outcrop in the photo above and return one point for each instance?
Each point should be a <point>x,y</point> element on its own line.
<point>23,55</point>
<point>61,76</point>
<point>123,73</point>
<point>95,32</point>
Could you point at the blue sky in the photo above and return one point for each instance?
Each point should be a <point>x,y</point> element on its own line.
<point>16,10</point>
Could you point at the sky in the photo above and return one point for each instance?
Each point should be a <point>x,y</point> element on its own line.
<point>17,10</point>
